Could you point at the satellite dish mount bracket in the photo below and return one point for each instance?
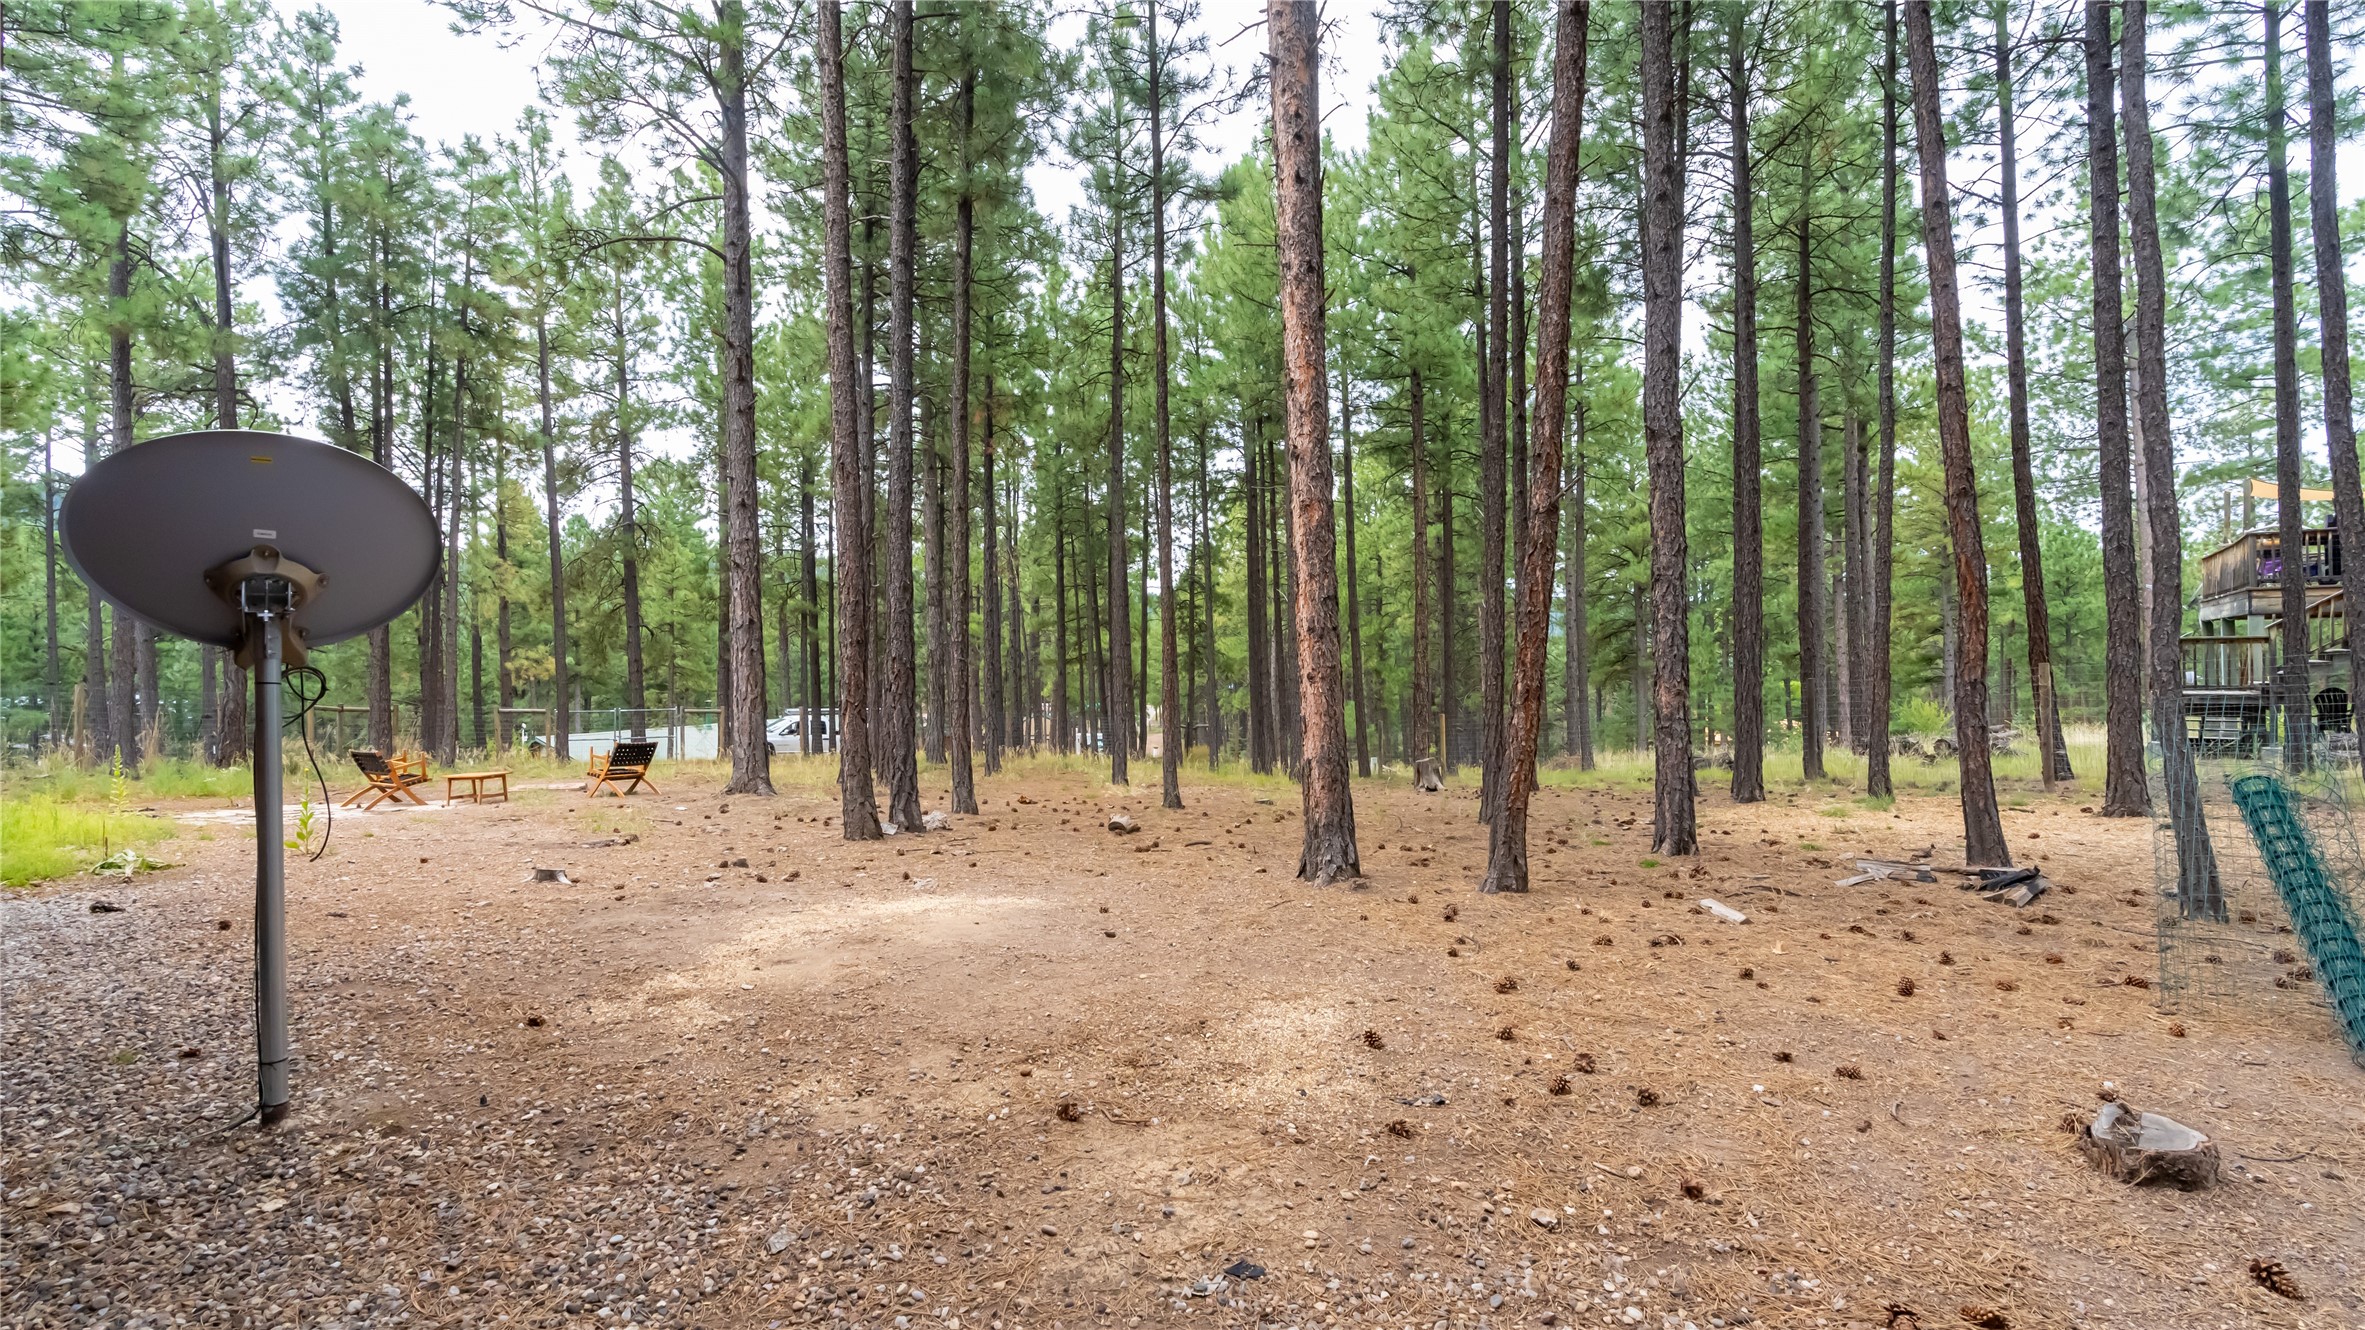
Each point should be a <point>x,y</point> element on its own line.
<point>267,589</point>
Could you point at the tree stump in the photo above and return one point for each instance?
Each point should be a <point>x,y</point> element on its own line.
<point>2145,1147</point>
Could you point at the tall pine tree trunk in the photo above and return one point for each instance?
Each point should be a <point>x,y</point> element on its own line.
<point>2124,788</point>
<point>2051,759</point>
<point>636,690</point>
<point>1506,868</point>
<point>1811,626</point>
<point>560,686</point>
<point>1354,579</point>
<point>1674,827</point>
<point>125,706</point>
<point>1983,831</point>
<point>850,563</point>
<point>2290,508</point>
<point>1170,712</point>
<point>1884,523</point>
<point>1420,739</point>
<point>1580,634</point>
<point>751,753</point>
<point>898,692</point>
<point>1117,678</point>
<point>960,725</point>
<point>1494,443</point>
<point>2332,305</point>
<point>1749,546</point>
<point>997,696</point>
<point>2199,893</point>
<point>1293,27</point>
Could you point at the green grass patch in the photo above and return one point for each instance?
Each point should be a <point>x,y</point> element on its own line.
<point>164,778</point>
<point>42,838</point>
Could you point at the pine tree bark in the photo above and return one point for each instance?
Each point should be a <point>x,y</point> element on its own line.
<point>2332,306</point>
<point>124,706</point>
<point>1749,551</point>
<point>1983,828</point>
<point>636,687</point>
<point>1449,711</point>
<point>1260,690</point>
<point>898,692</point>
<point>2125,792</point>
<point>1506,868</point>
<point>1204,557</point>
<point>1420,739</point>
<point>998,711</point>
<point>1170,711</point>
<point>1580,635</point>
<point>1354,578</point>
<point>1674,826</point>
<point>928,457</point>
<point>1884,533</point>
<point>1063,733</point>
<point>1117,678</point>
<point>2290,509</point>
<point>2199,893</point>
<point>751,754</point>
<point>960,725</point>
<point>1812,724</point>
<point>849,477</point>
<point>2051,759</point>
<point>559,684</point>
<point>1293,28</point>
<point>1494,442</point>
<point>1855,604</point>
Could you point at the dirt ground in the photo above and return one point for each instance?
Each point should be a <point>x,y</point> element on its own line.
<point>1029,1073</point>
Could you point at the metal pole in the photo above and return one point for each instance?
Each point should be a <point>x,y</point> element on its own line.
<point>270,889</point>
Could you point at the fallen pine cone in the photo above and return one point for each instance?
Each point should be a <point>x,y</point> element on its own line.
<point>2136,981</point>
<point>1905,986</point>
<point>1574,966</point>
<point>1506,984</point>
<point>2176,1029</point>
<point>1560,1085</point>
<point>1583,1063</point>
<point>1506,1034</point>
<point>1371,1039</point>
<point>1694,1189</point>
<point>1986,1318</point>
<point>1452,912</point>
<point>1605,940</point>
<point>1070,1111</point>
<point>1647,1097</point>
<point>1848,1071</point>
<point>1902,1317</point>
<point>1783,1056</point>
<point>2272,1277</point>
<point>1400,1128</point>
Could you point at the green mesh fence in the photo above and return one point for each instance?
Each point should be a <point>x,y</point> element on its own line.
<point>2315,901</point>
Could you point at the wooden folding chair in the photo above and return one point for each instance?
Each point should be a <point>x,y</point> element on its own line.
<point>627,763</point>
<point>387,780</point>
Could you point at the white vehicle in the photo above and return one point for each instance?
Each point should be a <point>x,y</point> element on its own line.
<point>786,735</point>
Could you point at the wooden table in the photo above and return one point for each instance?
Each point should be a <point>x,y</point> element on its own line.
<point>476,789</point>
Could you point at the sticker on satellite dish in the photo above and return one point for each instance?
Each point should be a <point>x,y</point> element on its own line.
<point>265,533</point>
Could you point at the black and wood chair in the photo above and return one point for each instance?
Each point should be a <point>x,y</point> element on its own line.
<point>388,778</point>
<point>624,768</point>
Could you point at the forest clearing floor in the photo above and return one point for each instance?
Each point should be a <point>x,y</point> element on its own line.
<point>1029,1073</point>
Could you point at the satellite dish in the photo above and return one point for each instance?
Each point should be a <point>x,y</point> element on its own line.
<point>145,528</point>
<point>267,544</point>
